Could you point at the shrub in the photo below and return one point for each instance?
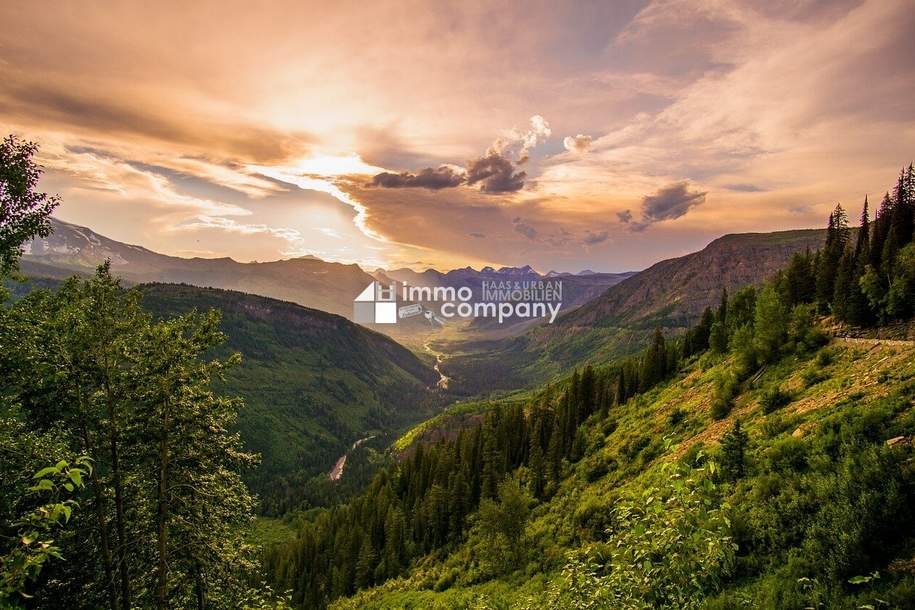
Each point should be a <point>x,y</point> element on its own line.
<point>676,416</point>
<point>726,388</point>
<point>811,377</point>
<point>825,357</point>
<point>774,399</point>
<point>787,454</point>
<point>672,549</point>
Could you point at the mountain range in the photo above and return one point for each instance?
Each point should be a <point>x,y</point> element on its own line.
<point>671,294</point>
<point>308,280</point>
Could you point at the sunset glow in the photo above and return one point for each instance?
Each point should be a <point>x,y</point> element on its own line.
<point>510,135</point>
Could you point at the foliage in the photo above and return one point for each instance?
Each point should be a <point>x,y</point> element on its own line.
<point>24,211</point>
<point>164,505</point>
<point>773,399</point>
<point>726,388</point>
<point>35,544</point>
<point>671,548</point>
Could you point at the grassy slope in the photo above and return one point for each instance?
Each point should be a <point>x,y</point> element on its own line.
<point>856,381</point>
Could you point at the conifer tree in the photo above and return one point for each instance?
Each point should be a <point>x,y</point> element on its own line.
<point>733,452</point>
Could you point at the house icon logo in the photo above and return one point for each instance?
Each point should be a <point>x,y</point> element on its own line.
<point>377,304</point>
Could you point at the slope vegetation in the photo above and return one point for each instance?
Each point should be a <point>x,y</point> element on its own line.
<point>313,382</point>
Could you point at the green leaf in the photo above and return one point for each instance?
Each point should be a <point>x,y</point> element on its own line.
<point>43,485</point>
<point>45,472</point>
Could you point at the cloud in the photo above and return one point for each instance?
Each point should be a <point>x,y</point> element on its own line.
<point>524,228</point>
<point>595,238</point>
<point>230,225</point>
<point>495,173</point>
<point>669,203</point>
<point>580,143</point>
<point>477,235</point>
<point>430,178</point>
<point>26,99</point>
<point>539,132</point>
<point>744,188</point>
<point>625,216</point>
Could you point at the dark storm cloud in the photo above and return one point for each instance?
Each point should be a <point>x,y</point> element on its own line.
<point>669,203</point>
<point>495,173</point>
<point>430,178</point>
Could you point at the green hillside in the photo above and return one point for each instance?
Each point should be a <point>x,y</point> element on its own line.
<point>826,497</point>
<point>312,382</point>
<point>751,461</point>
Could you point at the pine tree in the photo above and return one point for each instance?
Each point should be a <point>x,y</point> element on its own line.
<point>843,286</point>
<point>837,234</point>
<point>800,279</point>
<point>365,565</point>
<point>879,232</point>
<point>654,362</point>
<point>722,313</point>
<point>733,452</point>
<point>857,308</point>
<point>621,388</point>
<point>770,328</point>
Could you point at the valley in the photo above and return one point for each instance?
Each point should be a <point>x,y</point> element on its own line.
<point>440,464</point>
<point>457,305</point>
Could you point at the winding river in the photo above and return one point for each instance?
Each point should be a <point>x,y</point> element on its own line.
<point>442,382</point>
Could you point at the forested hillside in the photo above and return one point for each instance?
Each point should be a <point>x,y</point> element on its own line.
<point>312,383</point>
<point>752,461</point>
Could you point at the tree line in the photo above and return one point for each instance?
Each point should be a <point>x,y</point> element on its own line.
<point>121,480</point>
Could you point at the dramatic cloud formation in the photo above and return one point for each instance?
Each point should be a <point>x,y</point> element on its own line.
<point>580,143</point>
<point>443,177</point>
<point>495,173</point>
<point>274,137</point>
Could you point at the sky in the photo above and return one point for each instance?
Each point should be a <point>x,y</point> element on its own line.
<point>599,135</point>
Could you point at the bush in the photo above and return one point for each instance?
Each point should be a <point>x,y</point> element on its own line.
<point>672,549</point>
<point>787,454</point>
<point>726,388</point>
<point>676,416</point>
<point>774,399</point>
<point>811,377</point>
<point>825,357</point>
